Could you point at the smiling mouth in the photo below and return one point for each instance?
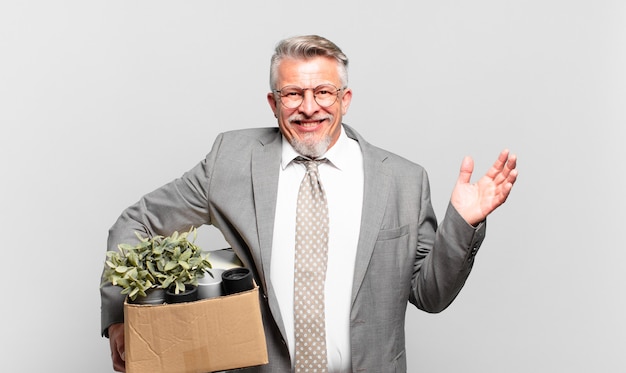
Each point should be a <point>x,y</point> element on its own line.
<point>307,122</point>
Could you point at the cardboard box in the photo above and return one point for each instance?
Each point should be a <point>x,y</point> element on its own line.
<point>203,336</point>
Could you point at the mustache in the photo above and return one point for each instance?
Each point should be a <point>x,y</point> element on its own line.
<point>301,117</point>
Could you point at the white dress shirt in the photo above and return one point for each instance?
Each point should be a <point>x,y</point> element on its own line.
<point>342,178</point>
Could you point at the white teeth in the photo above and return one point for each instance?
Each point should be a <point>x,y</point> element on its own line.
<point>310,124</point>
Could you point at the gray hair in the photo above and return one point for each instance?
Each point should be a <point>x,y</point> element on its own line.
<point>305,47</point>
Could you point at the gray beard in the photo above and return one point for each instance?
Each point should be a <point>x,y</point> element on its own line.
<point>309,149</point>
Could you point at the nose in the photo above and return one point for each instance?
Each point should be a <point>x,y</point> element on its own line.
<point>308,106</point>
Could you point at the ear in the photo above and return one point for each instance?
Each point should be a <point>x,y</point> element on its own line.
<point>271,99</point>
<point>346,99</point>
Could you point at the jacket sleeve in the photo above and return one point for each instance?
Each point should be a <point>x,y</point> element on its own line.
<point>443,266</point>
<point>176,206</point>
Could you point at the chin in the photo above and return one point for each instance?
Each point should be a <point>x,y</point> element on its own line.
<point>311,149</point>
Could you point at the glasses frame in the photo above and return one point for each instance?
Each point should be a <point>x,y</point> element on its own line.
<point>280,95</point>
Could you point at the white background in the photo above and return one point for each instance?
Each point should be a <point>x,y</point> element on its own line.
<point>103,101</point>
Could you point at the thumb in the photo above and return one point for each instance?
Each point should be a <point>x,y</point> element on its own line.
<point>465,173</point>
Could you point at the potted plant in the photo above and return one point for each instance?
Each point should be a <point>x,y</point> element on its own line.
<point>172,263</point>
<point>181,264</point>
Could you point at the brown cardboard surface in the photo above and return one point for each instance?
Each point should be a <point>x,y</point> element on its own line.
<point>202,336</point>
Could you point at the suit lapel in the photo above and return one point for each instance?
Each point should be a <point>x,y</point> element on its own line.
<point>265,168</point>
<point>265,165</point>
<point>377,181</point>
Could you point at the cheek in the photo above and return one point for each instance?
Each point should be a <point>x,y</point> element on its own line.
<point>284,126</point>
<point>337,117</point>
<point>283,118</point>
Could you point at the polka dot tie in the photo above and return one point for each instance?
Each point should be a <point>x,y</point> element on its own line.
<point>310,271</point>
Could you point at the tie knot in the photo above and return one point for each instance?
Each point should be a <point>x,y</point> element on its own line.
<point>310,164</point>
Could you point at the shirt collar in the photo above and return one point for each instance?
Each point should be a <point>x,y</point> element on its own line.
<point>336,155</point>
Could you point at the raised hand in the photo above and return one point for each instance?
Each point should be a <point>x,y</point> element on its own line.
<point>475,201</point>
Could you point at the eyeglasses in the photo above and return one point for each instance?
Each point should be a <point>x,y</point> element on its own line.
<point>291,96</point>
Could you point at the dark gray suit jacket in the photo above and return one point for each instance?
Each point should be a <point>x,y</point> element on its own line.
<point>402,256</point>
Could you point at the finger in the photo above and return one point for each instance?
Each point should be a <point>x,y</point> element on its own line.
<point>512,177</point>
<point>511,163</point>
<point>465,173</point>
<point>500,169</point>
<point>509,172</point>
<point>507,185</point>
<point>502,158</point>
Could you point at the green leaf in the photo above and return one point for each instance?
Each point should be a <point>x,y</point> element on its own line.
<point>186,255</point>
<point>140,237</point>
<point>133,293</point>
<point>170,265</point>
<point>121,269</point>
<point>179,286</point>
<point>151,267</point>
<point>167,282</point>
<point>133,259</point>
<point>132,274</point>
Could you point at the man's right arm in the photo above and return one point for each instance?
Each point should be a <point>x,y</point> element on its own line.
<point>176,206</point>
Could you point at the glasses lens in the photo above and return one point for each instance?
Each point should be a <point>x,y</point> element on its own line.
<point>326,95</point>
<point>291,96</point>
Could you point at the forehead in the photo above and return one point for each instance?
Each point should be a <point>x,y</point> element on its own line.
<point>308,72</point>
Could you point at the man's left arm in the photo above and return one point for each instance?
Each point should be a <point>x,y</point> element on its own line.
<point>441,271</point>
<point>442,267</point>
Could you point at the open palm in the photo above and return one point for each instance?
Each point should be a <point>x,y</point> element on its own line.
<point>475,201</point>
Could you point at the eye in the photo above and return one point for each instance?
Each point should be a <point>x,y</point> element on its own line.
<point>324,91</point>
<point>292,94</point>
